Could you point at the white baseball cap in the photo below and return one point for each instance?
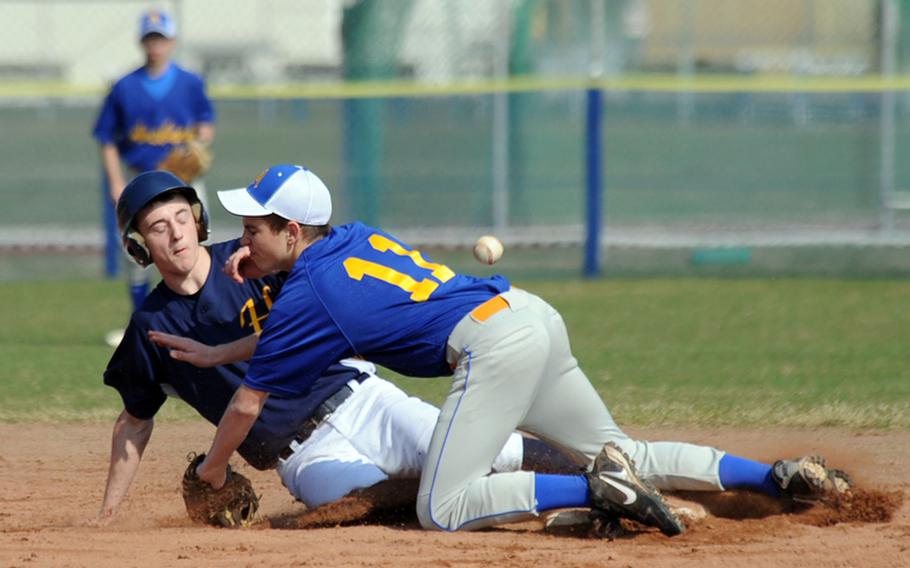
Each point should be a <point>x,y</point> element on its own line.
<point>292,192</point>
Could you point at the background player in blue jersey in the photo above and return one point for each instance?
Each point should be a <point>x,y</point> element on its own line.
<point>355,290</point>
<point>321,452</point>
<point>147,113</point>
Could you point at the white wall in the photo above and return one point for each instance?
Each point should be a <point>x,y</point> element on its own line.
<point>96,41</point>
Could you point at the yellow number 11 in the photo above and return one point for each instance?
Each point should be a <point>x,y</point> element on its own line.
<point>357,268</point>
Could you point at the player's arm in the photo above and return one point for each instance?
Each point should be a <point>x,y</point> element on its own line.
<point>241,413</point>
<point>110,161</point>
<point>202,355</point>
<point>239,266</point>
<point>128,441</point>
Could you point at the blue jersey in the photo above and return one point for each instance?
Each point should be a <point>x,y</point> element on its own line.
<point>360,291</point>
<point>146,117</point>
<point>221,311</point>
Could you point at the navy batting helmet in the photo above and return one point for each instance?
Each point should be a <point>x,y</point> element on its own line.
<point>142,190</point>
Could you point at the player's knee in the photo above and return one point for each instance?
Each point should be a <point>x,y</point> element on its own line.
<point>424,515</point>
<point>329,481</point>
<point>434,515</point>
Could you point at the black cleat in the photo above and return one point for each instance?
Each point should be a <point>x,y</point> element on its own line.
<point>617,489</point>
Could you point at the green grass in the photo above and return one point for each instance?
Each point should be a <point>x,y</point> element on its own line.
<point>799,351</point>
<point>53,350</point>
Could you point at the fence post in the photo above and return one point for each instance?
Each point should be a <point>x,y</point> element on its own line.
<point>888,34</point>
<point>594,144</point>
<point>371,34</point>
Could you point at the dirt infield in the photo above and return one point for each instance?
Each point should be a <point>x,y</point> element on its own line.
<point>52,479</point>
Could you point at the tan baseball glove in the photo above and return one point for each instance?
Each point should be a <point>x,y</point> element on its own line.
<point>188,161</point>
<point>233,506</point>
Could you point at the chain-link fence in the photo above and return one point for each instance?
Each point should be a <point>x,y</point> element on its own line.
<point>444,118</point>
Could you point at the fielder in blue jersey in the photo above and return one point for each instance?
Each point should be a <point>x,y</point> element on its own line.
<point>355,290</point>
<point>325,441</point>
<point>146,114</point>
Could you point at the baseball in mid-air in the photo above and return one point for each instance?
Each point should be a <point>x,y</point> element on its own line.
<point>488,249</point>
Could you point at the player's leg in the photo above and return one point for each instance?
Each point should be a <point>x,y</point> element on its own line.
<point>541,457</point>
<point>571,414</point>
<point>569,411</point>
<point>137,277</point>
<point>379,412</point>
<point>499,364</point>
<point>138,283</point>
<point>113,251</point>
<point>351,450</point>
<point>113,248</point>
<point>326,467</point>
<point>138,286</point>
<point>666,465</point>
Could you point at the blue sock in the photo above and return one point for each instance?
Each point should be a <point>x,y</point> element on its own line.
<point>741,473</point>
<point>138,292</point>
<point>560,491</point>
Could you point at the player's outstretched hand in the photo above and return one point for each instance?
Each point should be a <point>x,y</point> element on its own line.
<point>240,266</point>
<point>186,349</point>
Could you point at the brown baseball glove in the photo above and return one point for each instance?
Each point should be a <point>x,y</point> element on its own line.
<point>188,161</point>
<point>232,506</point>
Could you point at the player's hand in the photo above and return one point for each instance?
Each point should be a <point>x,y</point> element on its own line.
<point>186,349</point>
<point>240,266</point>
<point>216,477</point>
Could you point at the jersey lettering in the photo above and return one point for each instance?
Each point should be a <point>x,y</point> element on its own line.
<point>420,291</point>
<point>439,271</point>
<point>267,296</point>
<point>250,307</point>
<point>167,133</point>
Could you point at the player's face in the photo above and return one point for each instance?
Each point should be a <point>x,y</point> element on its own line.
<point>157,49</point>
<point>169,230</point>
<point>269,250</point>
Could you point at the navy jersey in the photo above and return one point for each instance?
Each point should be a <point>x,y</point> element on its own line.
<point>359,291</point>
<point>146,117</point>
<point>222,311</point>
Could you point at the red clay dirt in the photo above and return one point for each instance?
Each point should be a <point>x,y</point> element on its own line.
<point>52,480</point>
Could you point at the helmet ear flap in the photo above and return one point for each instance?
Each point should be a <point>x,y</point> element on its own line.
<point>202,219</point>
<point>135,246</point>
